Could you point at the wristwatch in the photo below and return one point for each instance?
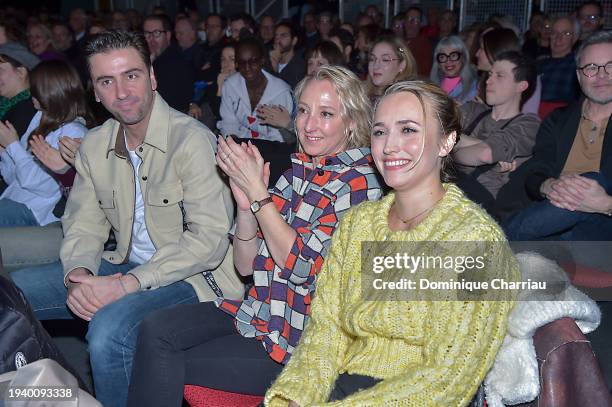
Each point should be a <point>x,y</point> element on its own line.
<point>257,205</point>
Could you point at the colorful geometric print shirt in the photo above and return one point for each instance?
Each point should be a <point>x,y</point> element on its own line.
<point>311,201</point>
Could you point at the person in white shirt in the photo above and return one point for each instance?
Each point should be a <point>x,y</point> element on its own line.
<point>248,89</point>
<point>32,191</point>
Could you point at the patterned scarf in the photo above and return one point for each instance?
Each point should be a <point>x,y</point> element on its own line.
<point>7,104</point>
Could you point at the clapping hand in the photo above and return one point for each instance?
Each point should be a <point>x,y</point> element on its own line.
<point>68,148</point>
<point>248,173</point>
<point>48,155</point>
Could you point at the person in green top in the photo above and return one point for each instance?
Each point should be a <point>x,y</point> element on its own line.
<point>381,349</point>
<point>15,98</point>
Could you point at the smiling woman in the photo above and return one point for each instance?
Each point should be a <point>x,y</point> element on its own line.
<point>360,350</point>
<point>453,71</point>
<point>281,238</point>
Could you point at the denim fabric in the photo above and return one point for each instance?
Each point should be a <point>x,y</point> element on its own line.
<point>112,332</point>
<point>15,214</point>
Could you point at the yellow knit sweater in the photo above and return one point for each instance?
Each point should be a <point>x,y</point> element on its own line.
<point>428,353</point>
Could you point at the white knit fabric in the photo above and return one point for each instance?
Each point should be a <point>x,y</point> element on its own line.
<point>514,377</point>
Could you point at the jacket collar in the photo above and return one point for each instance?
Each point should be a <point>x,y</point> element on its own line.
<point>157,130</point>
<point>350,158</point>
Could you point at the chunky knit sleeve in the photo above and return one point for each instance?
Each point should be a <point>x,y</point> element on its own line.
<point>463,338</point>
<point>310,375</point>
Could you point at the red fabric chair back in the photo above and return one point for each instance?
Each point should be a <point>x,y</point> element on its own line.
<point>547,107</point>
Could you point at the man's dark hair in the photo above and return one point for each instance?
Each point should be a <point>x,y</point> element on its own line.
<point>289,26</point>
<point>591,3</point>
<point>220,17</point>
<point>162,18</point>
<point>524,70</point>
<point>346,38</point>
<point>247,19</point>
<point>116,40</point>
<point>415,8</point>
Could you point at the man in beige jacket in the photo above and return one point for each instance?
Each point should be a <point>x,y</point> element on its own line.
<point>148,175</point>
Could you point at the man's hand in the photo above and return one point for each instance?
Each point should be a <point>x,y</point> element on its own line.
<point>564,192</point>
<point>503,166</point>
<point>68,148</point>
<point>596,200</point>
<point>87,293</point>
<point>81,298</point>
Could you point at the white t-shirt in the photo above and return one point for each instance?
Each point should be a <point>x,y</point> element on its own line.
<point>142,246</point>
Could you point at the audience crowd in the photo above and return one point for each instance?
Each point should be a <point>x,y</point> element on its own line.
<point>216,177</point>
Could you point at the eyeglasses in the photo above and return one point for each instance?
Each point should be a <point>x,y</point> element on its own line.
<point>591,70</point>
<point>565,34</point>
<point>154,33</point>
<point>590,18</point>
<point>453,56</point>
<point>547,27</point>
<point>413,20</point>
<point>384,60</point>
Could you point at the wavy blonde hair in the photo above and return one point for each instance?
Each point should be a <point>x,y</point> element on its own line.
<point>355,106</point>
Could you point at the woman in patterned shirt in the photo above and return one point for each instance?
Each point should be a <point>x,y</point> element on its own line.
<point>281,236</point>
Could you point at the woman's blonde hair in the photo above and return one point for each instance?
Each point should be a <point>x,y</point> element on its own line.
<point>402,52</point>
<point>355,106</point>
<point>432,98</point>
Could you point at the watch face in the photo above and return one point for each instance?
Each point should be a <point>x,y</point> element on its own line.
<point>255,206</point>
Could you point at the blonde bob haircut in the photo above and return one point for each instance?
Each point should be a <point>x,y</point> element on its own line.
<point>443,108</point>
<point>355,107</point>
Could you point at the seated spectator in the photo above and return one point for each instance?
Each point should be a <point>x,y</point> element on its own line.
<point>174,75</point>
<point>185,32</point>
<point>498,135</point>
<point>419,44</point>
<point>243,92</point>
<point>570,174</point>
<point>10,32</point>
<point>266,31</point>
<point>310,29</point>
<point>120,21</point>
<point>286,60</point>
<point>240,22</point>
<point>40,42</point>
<point>281,238</point>
<point>364,349</point>
<point>16,105</point>
<point>364,39</point>
<point>447,24</point>
<point>63,39</point>
<point>345,42</point>
<point>538,47</point>
<point>591,18</point>
<point>32,192</point>
<point>397,25</point>
<point>452,70</point>
<point>325,24</point>
<point>494,42</point>
<point>390,61</point>
<point>149,176</point>
<point>322,53</point>
<point>558,72</point>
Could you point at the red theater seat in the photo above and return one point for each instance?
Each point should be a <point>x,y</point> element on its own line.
<point>547,107</point>
<point>198,396</point>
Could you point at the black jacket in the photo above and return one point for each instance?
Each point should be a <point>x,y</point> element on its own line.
<point>174,78</point>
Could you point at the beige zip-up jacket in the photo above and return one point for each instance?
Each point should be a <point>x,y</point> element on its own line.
<point>179,182</point>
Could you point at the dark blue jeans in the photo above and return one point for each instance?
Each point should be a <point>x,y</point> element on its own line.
<point>543,220</point>
<point>15,214</point>
<point>112,332</point>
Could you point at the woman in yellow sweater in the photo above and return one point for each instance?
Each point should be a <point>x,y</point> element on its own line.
<point>362,352</point>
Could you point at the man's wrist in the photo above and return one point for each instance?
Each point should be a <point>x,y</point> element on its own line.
<point>129,283</point>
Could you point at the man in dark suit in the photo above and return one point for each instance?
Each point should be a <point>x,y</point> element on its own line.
<point>570,174</point>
